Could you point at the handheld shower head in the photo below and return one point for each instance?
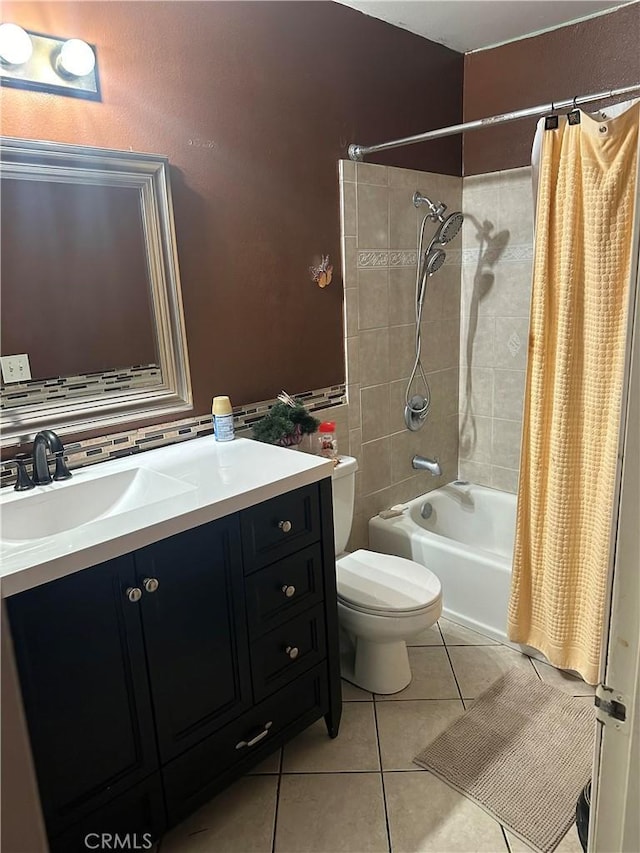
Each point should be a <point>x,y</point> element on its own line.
<point>449,227</point>
<point>429,262</point>
<point>433,261</point>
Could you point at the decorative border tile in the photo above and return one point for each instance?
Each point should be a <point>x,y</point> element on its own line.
<point>100,449</point>
<point>402,258</point>
<point>81,385</point>
<point>383,258</point>
<point>386,258</point>
<point>522,252</point>
<point>454,257</point>
<point>373,258</point>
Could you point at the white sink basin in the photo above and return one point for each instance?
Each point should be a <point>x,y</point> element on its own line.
<point>64,506</point>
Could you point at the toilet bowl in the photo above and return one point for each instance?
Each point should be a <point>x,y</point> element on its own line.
<point>384,601</point>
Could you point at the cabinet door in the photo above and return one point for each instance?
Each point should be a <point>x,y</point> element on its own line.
<point>132,821</point>
<point>80,656</point>
<point>195,632</point>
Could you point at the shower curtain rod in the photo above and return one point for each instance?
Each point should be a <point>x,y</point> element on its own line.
<point>358,152</point>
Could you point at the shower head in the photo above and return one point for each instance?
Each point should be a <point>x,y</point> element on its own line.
<point>435,210</point>
<point>449,227</point>
<point>433,261</point>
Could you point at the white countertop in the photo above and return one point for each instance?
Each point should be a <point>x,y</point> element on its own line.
<point>218,478</point>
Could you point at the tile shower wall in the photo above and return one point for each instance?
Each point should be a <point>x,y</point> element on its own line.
<point>380,228</point>
<point>497,243</point>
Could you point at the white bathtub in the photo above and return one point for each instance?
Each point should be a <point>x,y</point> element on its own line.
<point>467,542</point>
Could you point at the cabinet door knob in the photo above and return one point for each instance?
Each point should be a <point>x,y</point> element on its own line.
<point>292,652</point>
<point>289,590</point>
<point>150,584</point>
<point>254,740</point>
<point>285,526</point>
<point>134,594</point>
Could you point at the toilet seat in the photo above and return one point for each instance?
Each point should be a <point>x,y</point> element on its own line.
<point>386,585</point>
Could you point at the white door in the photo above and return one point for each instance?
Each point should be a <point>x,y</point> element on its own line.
<point>615,799</point>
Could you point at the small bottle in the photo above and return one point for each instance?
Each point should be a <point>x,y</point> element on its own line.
<point>222,419</point>
<point>327,442</point>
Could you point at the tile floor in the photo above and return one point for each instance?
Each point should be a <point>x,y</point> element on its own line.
<point>361,792</point>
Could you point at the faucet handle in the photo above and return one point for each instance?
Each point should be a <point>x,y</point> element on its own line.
<point>23,480</point>
<point>61,472</point>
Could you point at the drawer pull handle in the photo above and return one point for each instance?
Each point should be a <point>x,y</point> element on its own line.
<point>134,594</point>
<point>150,584</point>
<point>292,652</point>
<point>285,526</point>
<point>289,590</point>
<point>242,743</point>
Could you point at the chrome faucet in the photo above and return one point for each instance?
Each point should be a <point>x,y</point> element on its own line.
<point>45,440</point>
<point>421,463</point>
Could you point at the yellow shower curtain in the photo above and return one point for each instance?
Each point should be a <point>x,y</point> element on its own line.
<point>580,293</point>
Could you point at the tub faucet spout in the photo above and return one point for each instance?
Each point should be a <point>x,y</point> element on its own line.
<point>421,463</point>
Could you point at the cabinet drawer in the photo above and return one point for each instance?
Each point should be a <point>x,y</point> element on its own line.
<point>284,653</point>
<point>280,526</point>
<point>192,778</point>
<point>284,589</point>
<point>138,816</point>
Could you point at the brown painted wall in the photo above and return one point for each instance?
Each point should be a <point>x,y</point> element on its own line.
<point>68,300</point>
<point>592,56</point>
<point>253,103</point>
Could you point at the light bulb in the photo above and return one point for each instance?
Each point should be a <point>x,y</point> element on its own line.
<point>16,46</point>
<point>76,58</point>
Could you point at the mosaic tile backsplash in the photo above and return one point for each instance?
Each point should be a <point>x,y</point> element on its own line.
<point>103,448</point>
<point>83,385</point>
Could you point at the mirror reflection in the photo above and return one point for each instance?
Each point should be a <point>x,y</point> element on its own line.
<point>92,328</point>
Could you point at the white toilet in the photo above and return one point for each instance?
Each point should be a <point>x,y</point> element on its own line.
<point>383,601</point>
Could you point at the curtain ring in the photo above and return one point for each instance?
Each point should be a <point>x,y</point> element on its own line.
<point>575,98</point>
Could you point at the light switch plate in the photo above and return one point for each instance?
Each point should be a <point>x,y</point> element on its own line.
<point>15,368</point>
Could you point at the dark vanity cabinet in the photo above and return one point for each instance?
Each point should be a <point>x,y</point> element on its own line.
<point>81,660</point>
<point>153,680</point>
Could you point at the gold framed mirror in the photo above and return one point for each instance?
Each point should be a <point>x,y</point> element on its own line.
<point>90,290</point>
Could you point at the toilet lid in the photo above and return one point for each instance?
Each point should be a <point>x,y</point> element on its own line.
<point>384,583</point>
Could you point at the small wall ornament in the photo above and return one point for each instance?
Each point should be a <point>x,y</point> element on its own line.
<point>322,273</point>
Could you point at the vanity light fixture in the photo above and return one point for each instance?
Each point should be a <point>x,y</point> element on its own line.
<point>16,46</point>
<point>76,59</point>
<point>43,63</point>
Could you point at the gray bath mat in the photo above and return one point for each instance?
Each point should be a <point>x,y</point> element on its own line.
<point>523,752</point>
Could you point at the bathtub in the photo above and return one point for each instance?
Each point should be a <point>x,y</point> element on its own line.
<point>467,542</point>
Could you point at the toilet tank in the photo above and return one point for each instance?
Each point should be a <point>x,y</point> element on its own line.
<point>344,490</point>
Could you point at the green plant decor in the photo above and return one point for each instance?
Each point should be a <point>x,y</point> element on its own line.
<point>285,425</point>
